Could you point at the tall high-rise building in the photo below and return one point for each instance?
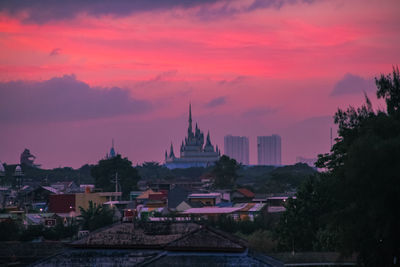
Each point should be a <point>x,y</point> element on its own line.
<point>237,147</point>
<point>269,150</point>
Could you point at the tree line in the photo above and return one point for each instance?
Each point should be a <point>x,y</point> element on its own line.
<point>353,207</point>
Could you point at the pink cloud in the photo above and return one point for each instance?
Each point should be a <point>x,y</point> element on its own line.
<point>280,61</point>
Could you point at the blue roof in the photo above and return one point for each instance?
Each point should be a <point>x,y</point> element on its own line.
<point>112,152</point>
<point>224,204</point>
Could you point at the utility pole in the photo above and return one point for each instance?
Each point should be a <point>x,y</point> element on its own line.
<point>116,184</point>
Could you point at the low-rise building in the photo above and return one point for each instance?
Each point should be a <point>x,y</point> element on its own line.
<point>242,195</point>
<point>144,196</point>
<point>176,196</point>
<point>71,203</point>
<point>240,211</point>
<point>46,219</point>
<point>207,199</point>
<point>66,187</point>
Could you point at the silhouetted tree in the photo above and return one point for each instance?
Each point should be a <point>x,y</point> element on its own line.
<point>225,172</point>
<point>355,204</point>
<point>105,171</point>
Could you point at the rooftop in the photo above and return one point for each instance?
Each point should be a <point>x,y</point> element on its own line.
<point>205,195</point>
<point>246,192</point>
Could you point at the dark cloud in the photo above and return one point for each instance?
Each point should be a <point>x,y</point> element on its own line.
<point>64,99</point>
<point>353,84</point>
<point>165,75</point>
<point>55,52</point>
<point>235,81</point>
<point>158,80</point>
<point>275,3</point>
<point>216,102</point>
<point>259,111</point>
<point>225,9</point>
<point>42,11</point>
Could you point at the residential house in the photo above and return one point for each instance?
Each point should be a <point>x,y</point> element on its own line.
<point>176,196</point>
<point>207,199</point>
<point>242,195</point>
<point>66,187</point>
<point>71,203</point>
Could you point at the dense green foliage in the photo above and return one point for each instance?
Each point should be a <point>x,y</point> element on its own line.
<point>260,240</point>
<point>259,179</point>
<point>284,179</point>
<point>12,231</point>
<point>225,173</point>
<point>79,176</point>
<point>299,227</point>
<point>9,230</point>
<point>95,216</point>
<point>106,170</point>
<point>245,226</point>
<point>58,232</point>
<point>353,207</point>
<point>256,232</point>
<point>154,171</point>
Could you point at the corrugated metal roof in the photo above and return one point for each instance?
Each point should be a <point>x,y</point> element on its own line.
<point>281,197</point>
<point>211,210</point>
<point>273,209</point>
<point>205,195</point>
<point>245,192</point>
<point>241,207</point>
<point>51,189</point>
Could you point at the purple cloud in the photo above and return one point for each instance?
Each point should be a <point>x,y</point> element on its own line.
<point>55,52</point>
<point>216,102</point>
<point>64,99</point>
<point>42,11</point>
<point>233,82</point>
<point>353,84</point>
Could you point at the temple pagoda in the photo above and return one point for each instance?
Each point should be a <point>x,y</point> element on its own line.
<point>193,151</point>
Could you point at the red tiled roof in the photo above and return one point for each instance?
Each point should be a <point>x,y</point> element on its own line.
<point>145,194</point>
<point>245,192</point>
<point>157,196</point>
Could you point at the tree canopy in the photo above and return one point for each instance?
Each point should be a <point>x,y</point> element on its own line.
<point>225,173</point>
<point>105,171</point>
<point>353,207</point>
<point>95,216</point>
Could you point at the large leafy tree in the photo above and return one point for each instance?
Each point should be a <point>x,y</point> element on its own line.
<point>300,226</point>
<point>106,170</point>
<point>365,163</point>
<point>225,172</point>
<point>360,191</point>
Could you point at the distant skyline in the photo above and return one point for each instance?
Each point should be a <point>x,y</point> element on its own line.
<point>237,147</point>
<point>76,75</point>
<point>269,150</point>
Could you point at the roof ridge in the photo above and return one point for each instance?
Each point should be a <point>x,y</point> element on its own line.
<point>234,239</point>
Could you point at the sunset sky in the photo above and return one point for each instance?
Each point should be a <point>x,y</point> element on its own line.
<point>74,75</point>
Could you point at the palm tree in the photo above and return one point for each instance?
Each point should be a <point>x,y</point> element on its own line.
<point>95,216</point>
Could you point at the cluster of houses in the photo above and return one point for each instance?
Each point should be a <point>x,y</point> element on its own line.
<point>35,204</point>
<point>157,201</point>
<point>239,204</point>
